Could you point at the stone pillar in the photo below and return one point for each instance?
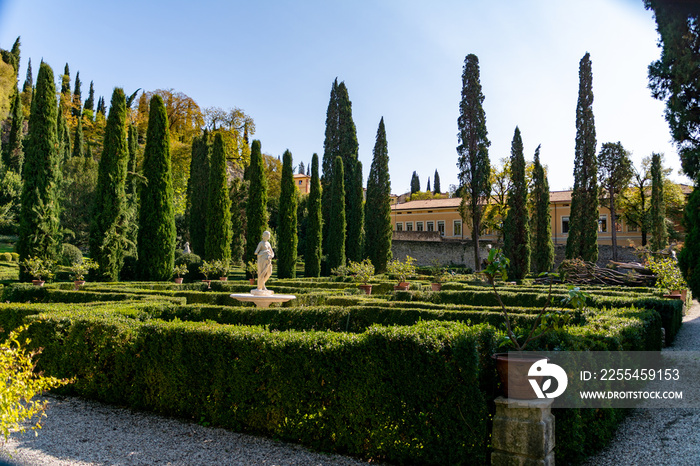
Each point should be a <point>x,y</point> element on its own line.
<point>523,433</point>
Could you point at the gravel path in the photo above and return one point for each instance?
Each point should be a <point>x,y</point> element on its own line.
<point>660,436</point>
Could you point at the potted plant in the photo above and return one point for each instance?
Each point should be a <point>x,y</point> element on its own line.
<point>222,267</point>
<point>207,268</point>
<point>519,364</point>
<point>37,268</point>
<point>363,273</point>
<point>179,271</point>
<point>440,275</point>
<point>79,269</point>
<point>251,267</point>
<point>402,270</point>
<point>668,277</point>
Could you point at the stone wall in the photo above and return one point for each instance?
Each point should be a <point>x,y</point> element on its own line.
<point>624,254</point>
<point>444,252</point>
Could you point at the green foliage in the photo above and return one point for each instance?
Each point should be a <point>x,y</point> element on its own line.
<point>237,196</point>
<point>79,140</point>
<point>355,241</point>
<point>362,271</point>
<point>251,268</point>
<point>70,254</point>
<point>12,151</point>
<point>657,212</point>
<point>180,270</point>
<point>79,269</point>
<point>256,209</point>
<point>217,244</point>
<point>689,256</point>
<point>668,275</point>
<point>198,192</point>
<point>582,241</point>
<point>402,270</point>
<point>436,183</point>
<point>156,236</point>
<point>78,190</point>
<point>614,173</point>
<point>287,225</point>
<point>207,268</point>
<point>336,227</point>
<point>108,228</point>
<point>516,230</point>
<point>192,261</point>
<point>378,229</point>
<point>542,247</point>
<point>312,256</point>
<point>473,152</point>
<point>415,183</point>
<point>38,268</point>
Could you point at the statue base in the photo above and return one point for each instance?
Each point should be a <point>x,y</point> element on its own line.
<point>263,300</point>
<point>257,292</point>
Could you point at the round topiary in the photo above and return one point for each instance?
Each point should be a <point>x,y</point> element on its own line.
<point>70,255</point>
<point>6,257</point>
<point>193,261</point>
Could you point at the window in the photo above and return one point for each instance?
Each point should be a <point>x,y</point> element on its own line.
<point>409,226</point>
<point>603,224</point>
<point>430,226</point>
<point>618,223</point>
<point>565,224</point>
<point>299,182</point>
<point>441,227</point>
<point>457,227</point>
<point>399,226</point>
<point>419,226</point>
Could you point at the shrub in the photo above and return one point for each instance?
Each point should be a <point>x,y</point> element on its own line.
<point>70,255</point>
<point>6,257</point>
<point>192,261</point>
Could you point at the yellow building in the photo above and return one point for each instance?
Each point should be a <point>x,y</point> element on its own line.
<point>303,183</point>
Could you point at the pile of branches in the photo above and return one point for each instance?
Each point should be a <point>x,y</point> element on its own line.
<point>580,272</point>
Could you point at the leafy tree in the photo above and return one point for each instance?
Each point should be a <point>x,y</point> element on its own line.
<point>614,173</point>
<point>256,209</point>
<point>8,87</point>
<point>39,214</point>
<point>355,241</point>
<point>497,207</point>
<point>516,235</point>
<point>109,225</point>
<point>13,152</point>
<point>378,206</point>
<point>336,228</point>
<point>415,183</point>
<point>689,256</point>
<point>287,229</point>
<point>582,241</point>
<point>634,201</point>
<point>312,256</point>
<point>231,124</point>
<point>156,236</point>
<point>436,183</point>
<point>184,114</point>
<point>218,234</point>
<point>198,192</point>
<point>79,140</point>
<point>542,246</point>
<point>473,160</point>
<point>659,235</point>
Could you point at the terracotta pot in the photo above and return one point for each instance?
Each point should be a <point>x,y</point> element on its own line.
<point>366,288</point>
<point>178,280</point>
<point>403,286</point>
<point>252,281</point>
<point>436,286</point>
<point>223,279</point>
<point>38,282</point>
<point>512,370</point>
<point>675,294</point>
<point>78,284</point>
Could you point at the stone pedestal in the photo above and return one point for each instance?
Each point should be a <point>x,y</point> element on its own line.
<point>523,433</point>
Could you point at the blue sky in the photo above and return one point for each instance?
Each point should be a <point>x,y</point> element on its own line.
<point>400,59</point>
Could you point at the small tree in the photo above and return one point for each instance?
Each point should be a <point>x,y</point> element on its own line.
<point>378,228</point>
<point>542,249</point>
<point>657,214</point>
<point>516,235</point>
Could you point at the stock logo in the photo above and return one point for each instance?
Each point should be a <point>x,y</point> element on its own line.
<point>548,371</point>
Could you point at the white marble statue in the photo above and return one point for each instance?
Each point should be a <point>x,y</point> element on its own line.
<point>265,254</point>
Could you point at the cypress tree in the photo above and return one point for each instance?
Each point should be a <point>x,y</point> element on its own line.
<point>76,109</point>
<point>336,229</point>
<point>109,226</point>
<point>516,234</point>
<point>13,154</point>
<point>15,51</point>
<point>582,241</point>
<point>78,140</point>
<point>131,189</point>
<point>256,209</point>
<point>287,231</point>
<point>331,150</point>
<point>355,241</point>
<point>436,183</point>
<point>378,206</point>
<point>156,236</point>
<point>543,248</point>
<point>217,244</point>
<point>100,106</point>
<point>312,257</point>
<point>39,214</point>
<point>90,101</point>
<point>659,234</point>
<point>614,173</point>
<point>415,183</point>
<point>64,145</point>
<point>28,87</point>
<point>689,256</point>
<point>427,188</point>
<point>198,192</point>
<point>237,223</point>
<point>65,91</point>
<point>473,161</point>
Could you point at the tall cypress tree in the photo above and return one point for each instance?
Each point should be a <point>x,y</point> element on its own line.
<point>28,87</point>
<point>39,214</point>
<point>90,101</point>
<point>77,107</point>
<point>473,161</point>
<point>312,256</point>
<point>378,206</point>
<point>582,241</point>
<point>64,145</point>
<point>256,209</point>
<point>109,226</point>
<point>237,194</point>
<point>355,242</point>
<point>415,183</point>
<point>427,187</point>
<point>13,152</point>
<point>198,192</point>
<point>336,229</point>
<point>287,231</point>
<point>79,140</point>
<point>132,195</point>
<point>436,183</point>
<point>156,236</point>
<point>218,234</point>
<point>65,91</point>
<point>659,234</point>
<point>516,228</point>
<point>543,248</point>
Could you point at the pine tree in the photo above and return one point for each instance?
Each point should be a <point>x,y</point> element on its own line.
<point>543,248</point>
<point>13,152</point>
<point>217,244</point>
<point>90,101</point>
<point>336,228</point>
<point>473,161</point>
<point>689,256</point>
<point>614,174</point>
<point>78,140</point>
<point>657,213</point>
<point>237,221</point>
<point>312,256</point>
<point>109,226</point>
<point>378,206</point>
<point>516,234</point>
<point>198,192</point>
<point>256,209</point>
<point>436,183</point>
<point>77,104</point>
<point>415,183</point>
<point>582,241</point>
<point>355,240</point>
<point>156,236</point>
<point>287,230</point>
<point>39,214</point>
